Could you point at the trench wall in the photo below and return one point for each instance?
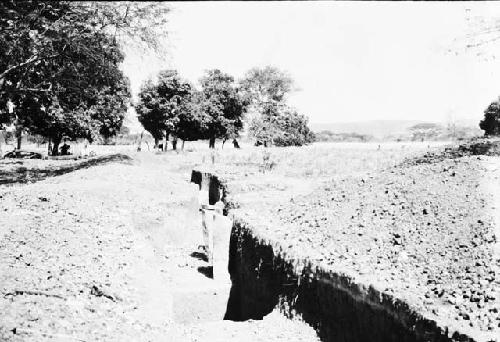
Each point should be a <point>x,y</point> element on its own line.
<point>264,277</point>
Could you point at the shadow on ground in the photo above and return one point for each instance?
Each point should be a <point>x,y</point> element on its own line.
<point>20,171</point>
<point>199,256</point>
<point>207,271</point>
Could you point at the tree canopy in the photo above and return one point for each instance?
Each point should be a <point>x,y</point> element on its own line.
<point>164,104</point>
<point>59,65</point>
<point>274,122</point>
<point>223,104</point>
<point>280,125</point>
<point>262,85</point>
<point>491,122</point>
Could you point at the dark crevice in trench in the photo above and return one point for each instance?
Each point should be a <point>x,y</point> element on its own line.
<point>262,280</point>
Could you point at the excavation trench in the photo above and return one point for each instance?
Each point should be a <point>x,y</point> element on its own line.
<point>263,278</point>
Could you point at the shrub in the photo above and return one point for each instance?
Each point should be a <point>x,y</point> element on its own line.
<point>491,122</point>
<point>281,126</point>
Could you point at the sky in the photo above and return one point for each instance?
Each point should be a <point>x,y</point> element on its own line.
<point>351,61</point>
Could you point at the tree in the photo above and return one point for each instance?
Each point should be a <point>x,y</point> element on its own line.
<point>138,25</point>
<point>88,92</point>
<point>193,122</point>
<point>110,109</point>
<point>34,32</point>
<point>281,125</point>
<point>162,105</point>
<point>223,104</point>
<point>59,58</point>
<point>263,85</point>
<point>491,122</point>
<point>273,122</point>
<point>295,131</point>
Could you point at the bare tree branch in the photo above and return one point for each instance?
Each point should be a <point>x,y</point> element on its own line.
<point>29,61</point>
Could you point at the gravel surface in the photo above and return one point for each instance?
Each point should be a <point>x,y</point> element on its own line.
<point>422,229</point>
<point>424,233</point>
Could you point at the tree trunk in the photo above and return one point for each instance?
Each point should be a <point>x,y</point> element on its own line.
<point>183,141</point>
<point>1,139</point>
<point>157,142</point>
<point>19,136</point>
<point>55,148</point>
<point>167,135</point>
<point>211,142</point>
<point>49,147</point>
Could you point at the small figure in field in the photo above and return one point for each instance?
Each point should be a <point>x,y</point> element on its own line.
<point>378,148</point>
<point>65,149</point>
<point>235,143</point>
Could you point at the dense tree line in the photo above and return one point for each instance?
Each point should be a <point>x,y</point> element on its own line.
<point>329,136</point>
<point>60,77</point>
<point>171,107</point>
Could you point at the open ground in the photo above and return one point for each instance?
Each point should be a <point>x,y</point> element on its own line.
<point>100,251</point>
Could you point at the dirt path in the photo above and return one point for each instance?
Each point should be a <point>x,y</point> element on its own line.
<point>109,254</point>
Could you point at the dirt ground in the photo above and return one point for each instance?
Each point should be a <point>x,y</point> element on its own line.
<point>109,251</point>
<point>102,254</point>
<point>424,229</point>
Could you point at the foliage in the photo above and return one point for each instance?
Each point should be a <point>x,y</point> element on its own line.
<point>281,125</point>
<point>139,25</point>
<point>265,89</point>
<point>109,111</point>
<point>491,122</point>
<point>59,64</point>
<point>223,106</point>
<point>193,122</point>
<point>268,84</point>
<point>162,105</point>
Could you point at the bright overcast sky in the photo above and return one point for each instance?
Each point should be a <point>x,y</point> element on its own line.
<point>352,61</point>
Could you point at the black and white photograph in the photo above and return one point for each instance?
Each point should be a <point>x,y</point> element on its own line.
<point>249,171</point>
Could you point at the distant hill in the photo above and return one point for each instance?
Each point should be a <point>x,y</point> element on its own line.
<point>377,128</point>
